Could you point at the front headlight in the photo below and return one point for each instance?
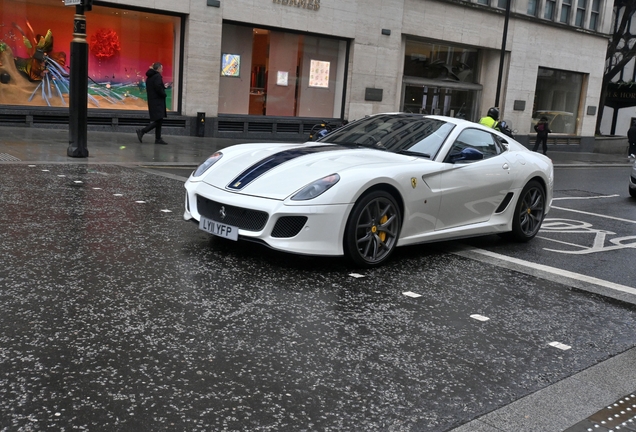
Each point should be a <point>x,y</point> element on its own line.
<point>207,164</point>
<point>316,188</point>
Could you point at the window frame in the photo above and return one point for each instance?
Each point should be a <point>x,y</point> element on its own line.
<point>566,11</point>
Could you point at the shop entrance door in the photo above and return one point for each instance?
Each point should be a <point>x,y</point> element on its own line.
<point>424,99</point>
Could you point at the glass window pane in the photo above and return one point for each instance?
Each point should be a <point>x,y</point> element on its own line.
<point>484,2</point>
<point>593,21</point>
<point>434,61</point>
<point>549,10</point>
<point>580,15</point>
<point>565,11</point>
<point>122,46</point>
<point>532,7</point>
<point>282,74</point>
<point>557,97</point>
<point>502,4</point>
<point>477,139</point>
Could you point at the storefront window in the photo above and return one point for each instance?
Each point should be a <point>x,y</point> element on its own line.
<point>281,74</point>
<point>35,40</point>
<point>557,97</point>
<point>423,99</point>
<point>440,79</point>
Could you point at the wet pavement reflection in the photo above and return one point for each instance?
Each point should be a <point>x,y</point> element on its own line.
<point>117,315</point>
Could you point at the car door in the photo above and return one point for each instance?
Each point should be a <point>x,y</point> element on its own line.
<point>473,187</point>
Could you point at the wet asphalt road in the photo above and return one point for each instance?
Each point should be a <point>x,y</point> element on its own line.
<point>115,314</point>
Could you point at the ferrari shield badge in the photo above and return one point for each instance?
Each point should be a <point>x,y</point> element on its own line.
<point>413,182</point>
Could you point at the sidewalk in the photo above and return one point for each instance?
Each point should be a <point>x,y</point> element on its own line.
<point>553,409</point>
<point>22,144</point>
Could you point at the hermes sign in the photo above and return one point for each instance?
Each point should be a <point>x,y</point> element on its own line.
<point>305,4</point>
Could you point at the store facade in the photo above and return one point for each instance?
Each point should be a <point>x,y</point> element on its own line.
<point>274,68</point>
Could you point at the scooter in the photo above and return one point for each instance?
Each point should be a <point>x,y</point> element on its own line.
<point>324,128</point>
<point>504,128</point>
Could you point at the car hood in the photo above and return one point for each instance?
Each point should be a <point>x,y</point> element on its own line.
<point>277,171</point>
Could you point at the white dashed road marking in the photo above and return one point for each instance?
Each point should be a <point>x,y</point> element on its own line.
<point>560,346</point>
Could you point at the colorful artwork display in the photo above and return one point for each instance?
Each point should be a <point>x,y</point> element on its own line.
<point>35,41</point>
<point>319,74</point>
<point>231,65</point>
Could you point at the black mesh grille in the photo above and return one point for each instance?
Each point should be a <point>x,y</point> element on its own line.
<point>288,127</point>
<point>242,218</point>
<point>260,127</point>
<point>288,226</point>
<point>230,126</point>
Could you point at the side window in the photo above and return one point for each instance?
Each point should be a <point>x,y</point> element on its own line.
<point>502,144</point>
<point>476,139</point>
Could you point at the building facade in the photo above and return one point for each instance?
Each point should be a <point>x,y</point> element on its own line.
<point>274,68</point>
<point>620,104</point>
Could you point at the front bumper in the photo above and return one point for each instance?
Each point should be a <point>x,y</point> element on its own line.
<point>321,233</point>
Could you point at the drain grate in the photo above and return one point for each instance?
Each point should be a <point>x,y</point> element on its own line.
<point>5,157</point>
<point>619,416</point>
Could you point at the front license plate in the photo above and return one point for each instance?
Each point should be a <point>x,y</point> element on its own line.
<point>218,229</point>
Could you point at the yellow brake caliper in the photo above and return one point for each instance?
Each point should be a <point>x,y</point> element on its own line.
<point>382,234</point>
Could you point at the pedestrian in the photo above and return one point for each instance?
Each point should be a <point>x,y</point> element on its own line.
<point>542,130</point>
<point>631,138</point>
<point>491,119</point>
<point>156,92</point>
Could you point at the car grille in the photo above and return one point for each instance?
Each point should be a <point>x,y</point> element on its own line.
<point>242,218</point>
<point>288,226</point>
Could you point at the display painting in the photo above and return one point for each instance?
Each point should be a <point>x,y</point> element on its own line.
<point>35,41</point>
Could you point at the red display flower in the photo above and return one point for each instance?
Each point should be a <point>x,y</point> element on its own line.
<point>104,44</point>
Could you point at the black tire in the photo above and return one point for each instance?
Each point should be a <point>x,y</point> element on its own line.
<point>529,212</point>
<point>372,230</point>
<point>632,192</point>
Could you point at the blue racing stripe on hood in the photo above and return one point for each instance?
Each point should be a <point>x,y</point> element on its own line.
<point>271,162</point>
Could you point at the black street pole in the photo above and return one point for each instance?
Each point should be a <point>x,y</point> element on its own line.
<point>503,53</point>
<point>78,92</point>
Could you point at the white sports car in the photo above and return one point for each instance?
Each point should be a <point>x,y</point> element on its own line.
<point>632,181</point>
<point>380,182</point>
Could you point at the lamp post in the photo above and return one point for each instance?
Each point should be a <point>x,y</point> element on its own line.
<point>503,53</point>
<point>78,92</point>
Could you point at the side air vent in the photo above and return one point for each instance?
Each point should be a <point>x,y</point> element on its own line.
<point>288,128</point>
<point>13,118</point>
<point>504,203</point>
<point>230,126</point>
<point>50,119</point>
<point>260,127</point>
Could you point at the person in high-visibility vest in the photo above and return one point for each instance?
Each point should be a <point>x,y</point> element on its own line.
<point>491,119</point>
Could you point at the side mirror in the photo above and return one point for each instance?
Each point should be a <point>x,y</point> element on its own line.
<point>467,154</point>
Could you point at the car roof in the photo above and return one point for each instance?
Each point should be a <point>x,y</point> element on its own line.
<point>447,119</point>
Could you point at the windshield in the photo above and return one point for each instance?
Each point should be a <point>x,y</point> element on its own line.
<point>397,133</point>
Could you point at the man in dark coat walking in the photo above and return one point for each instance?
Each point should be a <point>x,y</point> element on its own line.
<point>156,93</point>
